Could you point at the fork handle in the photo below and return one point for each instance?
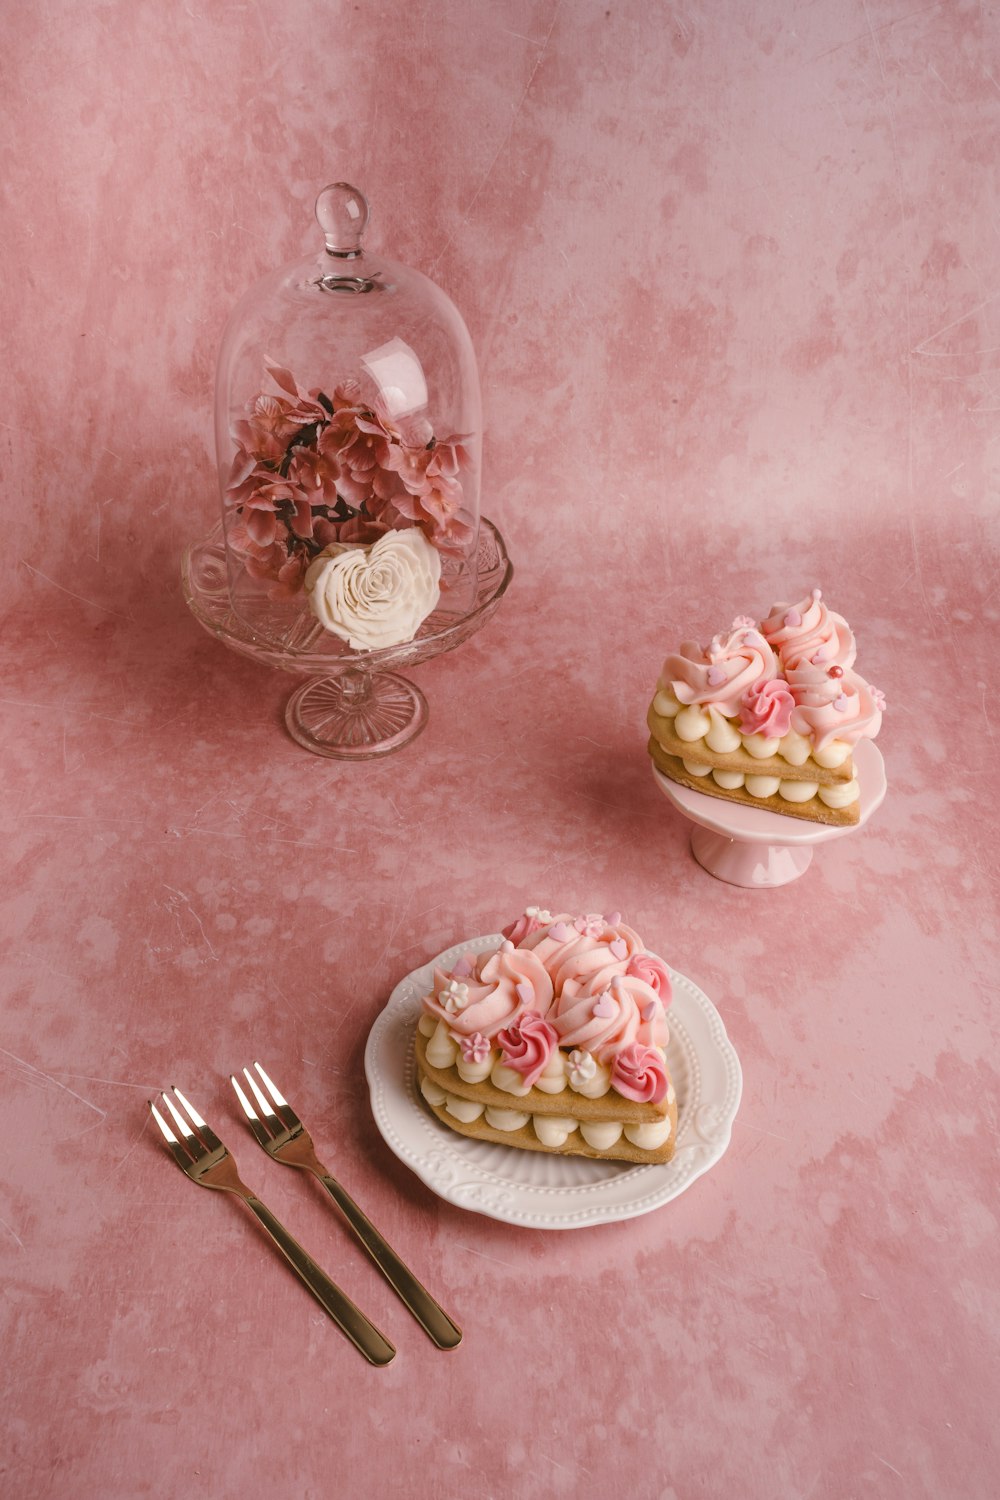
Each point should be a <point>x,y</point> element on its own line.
<point>428,1313</point>
<point>350,1319</point>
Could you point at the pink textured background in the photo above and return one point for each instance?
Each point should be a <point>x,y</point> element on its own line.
<point>731,272</point>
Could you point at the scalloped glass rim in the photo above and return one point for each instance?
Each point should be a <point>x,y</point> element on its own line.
<point>535,1189</point>
<point>307,647</point>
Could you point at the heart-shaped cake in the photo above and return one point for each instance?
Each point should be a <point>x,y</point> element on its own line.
<point>554,1040</point>
<point>768,714</point>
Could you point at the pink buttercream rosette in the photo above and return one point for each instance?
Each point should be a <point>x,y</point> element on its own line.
<point>640,1073</point>
<point>651,969</point>
<point>527,1045</point>
<point>767,709</point>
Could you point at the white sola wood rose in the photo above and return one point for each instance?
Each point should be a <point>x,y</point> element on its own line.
<point>379,595</point>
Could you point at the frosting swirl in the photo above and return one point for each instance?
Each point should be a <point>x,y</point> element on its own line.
<point>839,708</point>
<point>653,971</point>
<point>628,1011</point>
<point>809,634</point>
<point>509,982</point>
<point>640,1073</point>
<point>719,675</point>
<point>527,1045</point>
<point>576,959</point>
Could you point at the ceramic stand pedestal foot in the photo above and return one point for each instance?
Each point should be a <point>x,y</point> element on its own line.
<point>747,864</point>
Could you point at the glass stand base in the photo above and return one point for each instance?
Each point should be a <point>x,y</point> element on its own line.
<point>352,707</point>
<point>356,715</point>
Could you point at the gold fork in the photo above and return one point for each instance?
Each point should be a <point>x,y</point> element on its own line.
<point>204,1158</point>
<point>283,1136</point>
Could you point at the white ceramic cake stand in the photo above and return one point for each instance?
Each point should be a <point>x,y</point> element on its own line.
<point>754,847</point>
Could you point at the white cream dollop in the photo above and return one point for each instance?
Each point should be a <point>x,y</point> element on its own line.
<point>587,1076</point>
<point>832,755</point>
<point>794,748</point>
<point>728,780</point>
<point>841,795</point>
<point>649,1137</point>
<point>759,746</point>
<point>553,1130</point>
<point>442,1048</point>
<point>465,1110</point>
<point>762,786</point>
<point>692,723</point>
<point>797,791</point>
<point>432,1092</point>
<point>665,704</point>
<point>508,1079</point>
<point>552,1079</point>
<point>722,737</point>
<point>475,1072</point>
<point>505,1119</point>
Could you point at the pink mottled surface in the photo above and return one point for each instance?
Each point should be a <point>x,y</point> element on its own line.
<point>731,272</point>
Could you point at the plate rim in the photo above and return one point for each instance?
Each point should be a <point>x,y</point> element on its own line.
<point>704,1127</point>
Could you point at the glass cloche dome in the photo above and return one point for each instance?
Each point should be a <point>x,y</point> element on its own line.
<point>349,434</point>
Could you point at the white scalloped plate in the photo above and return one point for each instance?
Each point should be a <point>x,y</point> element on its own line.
<point>534,1188</point>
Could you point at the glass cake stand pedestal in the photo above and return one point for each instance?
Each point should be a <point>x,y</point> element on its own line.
<point>751,846</point>
<point>353,705</point>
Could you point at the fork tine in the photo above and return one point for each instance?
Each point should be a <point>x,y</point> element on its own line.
<point>208,1135</point>
<point>256,1125</point>
<point>265,1105</point>
<point>275,1093</point>
<point>168,1134</point>
<point>179,1120</point>
<point>176,1149</point>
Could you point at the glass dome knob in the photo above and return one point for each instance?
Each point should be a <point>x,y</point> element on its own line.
<point>342,214</point>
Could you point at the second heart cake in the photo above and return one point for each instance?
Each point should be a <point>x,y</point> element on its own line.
<point>768,714</point>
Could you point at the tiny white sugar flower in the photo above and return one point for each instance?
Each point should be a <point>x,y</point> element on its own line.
<point>582,1068</point>
<point>454,996</point>
<point>538,913</point>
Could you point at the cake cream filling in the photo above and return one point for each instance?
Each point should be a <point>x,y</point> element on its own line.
<point>696,725</point>
<point>840,795</point>
<point>444,1052</point>
<point>552,1131</point>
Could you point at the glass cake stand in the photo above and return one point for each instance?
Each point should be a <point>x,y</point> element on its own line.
<point>353,707</point>
<point>752,846</point>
